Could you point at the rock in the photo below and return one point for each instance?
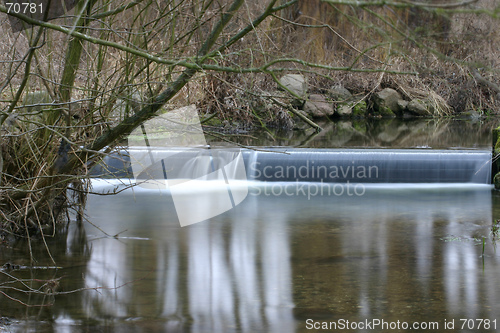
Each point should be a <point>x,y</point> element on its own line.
<point>496,181</point>
<point>354,107</point>
<point>402,104</point>
<point>418,107</point>
<point>317,106</point>
<point>471,115</point>
<point>344,110</point>
<point>296,83</point>
<point>385,102</point>
<point>359,109</point>
<point>339,94</point>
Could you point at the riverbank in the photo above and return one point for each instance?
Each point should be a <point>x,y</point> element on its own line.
<point>294,102</point>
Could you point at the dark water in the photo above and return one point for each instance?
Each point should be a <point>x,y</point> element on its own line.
<point>289,258</point>
<point>441,133</point>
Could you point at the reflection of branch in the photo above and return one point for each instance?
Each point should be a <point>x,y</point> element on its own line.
<point>222,137</point>
<point>49,286</point>
<point>21,302</point>
<point>114,191</point>
<point>305,142</point>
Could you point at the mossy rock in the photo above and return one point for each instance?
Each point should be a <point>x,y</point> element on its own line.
<point>496,153</point>
<point>359,109</point>
<point>496,181</point>
<point>496,140</point>
<point>385,112</point>
<point>353,108</point>
<point>214,121</point>
<point>385,103</point>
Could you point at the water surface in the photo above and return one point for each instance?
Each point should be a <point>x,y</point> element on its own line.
<point>395,253</point>
<point>290,257</point>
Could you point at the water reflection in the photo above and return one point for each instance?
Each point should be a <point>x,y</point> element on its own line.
<point>233,274</point>
<point>375,133</point>
<point>395,253</point>
<point>276,261</point>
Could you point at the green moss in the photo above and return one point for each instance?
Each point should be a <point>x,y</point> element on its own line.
<point>496,181</point>
<point>386,112</point>
<point>496,138</point>
<point>359,109</point>
<point>215,121</point>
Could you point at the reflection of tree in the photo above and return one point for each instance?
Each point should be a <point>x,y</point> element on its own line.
<point>393,133</point>
<point>380,256</point>
<point>233,273</point>
<point>40,284</point>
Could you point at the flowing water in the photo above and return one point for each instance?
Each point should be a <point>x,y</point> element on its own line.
<point>292,257</point>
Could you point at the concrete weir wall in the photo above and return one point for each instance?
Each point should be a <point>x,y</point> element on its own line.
<point>331,165</point>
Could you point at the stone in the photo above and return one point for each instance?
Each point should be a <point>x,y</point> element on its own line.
<point>359,109</point>
<point>344,110</point>
<point>385,102</point>
<point>471,115</point>
<point>339,94</point>
<point>353,107</point>
<point>317,106</point>
<point>496,181</point>
<point>418,107</point>
<point>402,104</point>
<point>296,83</point>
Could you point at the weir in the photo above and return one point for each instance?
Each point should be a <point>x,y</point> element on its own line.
<point>314,165</point>
<point>372,166</point>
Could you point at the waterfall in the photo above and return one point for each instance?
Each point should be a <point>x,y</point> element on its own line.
<point>313,165</point>
<point>370,165</point>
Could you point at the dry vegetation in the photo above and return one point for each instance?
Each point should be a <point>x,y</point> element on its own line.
<point>440,46</point>
<point>149,45</point>
<point>365,49</point>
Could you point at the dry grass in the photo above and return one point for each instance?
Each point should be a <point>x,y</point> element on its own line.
<point>337,36</point>
<point>453,42</point>
<point>439,47</point>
